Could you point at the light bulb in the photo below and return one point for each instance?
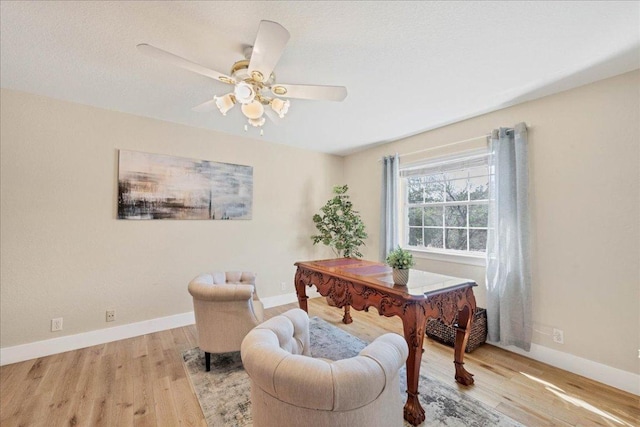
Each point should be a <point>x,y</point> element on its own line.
<point>254,110</point>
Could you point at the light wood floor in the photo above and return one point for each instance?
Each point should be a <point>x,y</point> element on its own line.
<point>141,381</point>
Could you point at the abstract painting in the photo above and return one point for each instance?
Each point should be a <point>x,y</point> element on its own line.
<point>156,186</point>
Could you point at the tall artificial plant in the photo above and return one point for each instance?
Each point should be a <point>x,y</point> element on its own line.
<point>339,226</point>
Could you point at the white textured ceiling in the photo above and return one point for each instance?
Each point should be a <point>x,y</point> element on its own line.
<point>408,66</point>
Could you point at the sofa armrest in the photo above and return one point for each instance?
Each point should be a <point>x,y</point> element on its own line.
<point>390,351</point>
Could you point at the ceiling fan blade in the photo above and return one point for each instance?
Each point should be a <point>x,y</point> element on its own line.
<point>267,49</point>
<point>326,93</point>
<point>178,61</point>
<point>205,107</point>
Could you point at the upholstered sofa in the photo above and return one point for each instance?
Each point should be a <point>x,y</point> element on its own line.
<point>226,307</point>
<point>291,388</point>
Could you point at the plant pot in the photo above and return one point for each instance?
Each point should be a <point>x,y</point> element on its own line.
<point>401,276</point>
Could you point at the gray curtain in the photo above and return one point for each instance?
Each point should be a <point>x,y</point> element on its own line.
<point>389,214</point>
<point>508,256</point>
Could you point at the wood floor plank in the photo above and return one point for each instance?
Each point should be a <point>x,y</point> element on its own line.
<point>141,381</point>
<point>123,405</point>
<point>38,406</point>
<point>12,388</point>
<point>24,399</point>
<point>525,415</point>
<point>64,391</point>
<point>80,411</point>
<point>192,336</point>
<point>187,407</point>
<point>82,401</point>
<point>123,356</point>
<point>140,346</point>
<point>144,413</point>
<point>175,368</point>
<point>102,412</point>
<point>165,408</point>
<point>180,340</point>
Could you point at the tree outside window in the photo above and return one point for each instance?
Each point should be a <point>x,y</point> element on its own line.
<point>448,210</point>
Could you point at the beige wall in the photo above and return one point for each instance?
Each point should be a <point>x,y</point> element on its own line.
<point>64,254</point>
<point>585,200</point>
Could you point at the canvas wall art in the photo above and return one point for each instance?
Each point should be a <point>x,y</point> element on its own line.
<point>156,186</point>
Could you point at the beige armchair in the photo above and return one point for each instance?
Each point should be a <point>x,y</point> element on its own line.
<point>226,307</point>
<point>291,388</point>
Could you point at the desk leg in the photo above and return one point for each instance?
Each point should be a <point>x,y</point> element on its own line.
<point>462,336</point>
<point>346,319</point>
<point>301,292</point>
<point>414,323</point>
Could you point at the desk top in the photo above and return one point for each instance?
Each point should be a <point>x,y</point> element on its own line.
<point>378,275</point>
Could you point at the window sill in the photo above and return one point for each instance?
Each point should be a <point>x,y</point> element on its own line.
<point>469,259</point>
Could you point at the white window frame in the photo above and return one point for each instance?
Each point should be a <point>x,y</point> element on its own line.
<point>443,164</point>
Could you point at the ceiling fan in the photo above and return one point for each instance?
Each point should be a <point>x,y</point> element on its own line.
<point>254,83</point>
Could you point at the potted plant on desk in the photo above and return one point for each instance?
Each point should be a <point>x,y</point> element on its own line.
<point>401,261</point>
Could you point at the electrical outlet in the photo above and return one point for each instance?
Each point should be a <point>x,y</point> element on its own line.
<point>56,324</point>
<point>558,336</point>
<point>111,315</point>
<point>283,286</point>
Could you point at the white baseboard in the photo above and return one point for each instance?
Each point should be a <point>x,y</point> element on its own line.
<point>36,349</point>
<point>20,353</point>
<point>277,300</point>
<point>608,375</point>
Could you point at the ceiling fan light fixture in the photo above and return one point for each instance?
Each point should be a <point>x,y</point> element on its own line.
<point>254,110</point>
<point>244,93</point>
<point>280,107</point>
<point>225,103</point>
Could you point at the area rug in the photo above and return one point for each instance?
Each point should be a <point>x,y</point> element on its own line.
<point>224,392</point>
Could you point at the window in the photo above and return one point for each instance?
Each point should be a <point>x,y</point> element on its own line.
<point>446,204</point>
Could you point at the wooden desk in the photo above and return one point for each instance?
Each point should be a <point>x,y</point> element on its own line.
<point>362,284</point>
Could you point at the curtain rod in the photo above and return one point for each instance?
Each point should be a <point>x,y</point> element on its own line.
<point>448,145</point>
<point>442,146</point>
<point>445,145</point>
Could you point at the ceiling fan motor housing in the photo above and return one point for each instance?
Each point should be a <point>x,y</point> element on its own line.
<point>244,92</point>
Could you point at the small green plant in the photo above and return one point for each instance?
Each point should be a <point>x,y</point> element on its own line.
<point>400,259</point>
<point>339,226</point>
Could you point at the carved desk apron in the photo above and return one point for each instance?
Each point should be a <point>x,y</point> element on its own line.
<point>360,284</point>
